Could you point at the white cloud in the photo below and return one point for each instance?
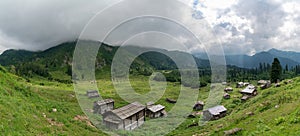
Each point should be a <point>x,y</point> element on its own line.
<point>244,26</point>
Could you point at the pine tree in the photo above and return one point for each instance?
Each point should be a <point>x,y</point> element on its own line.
<point>276,70</point>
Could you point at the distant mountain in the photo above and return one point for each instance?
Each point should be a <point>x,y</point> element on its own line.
<point>295,56</point>
<point>254,61</point>
<point>244,61</point>
<point>57,60</point>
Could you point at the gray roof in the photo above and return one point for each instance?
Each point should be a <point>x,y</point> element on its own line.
<point>102,102</point>
<point>150,103</point>
<point>199,102</point>
<point>156,108</point>
<point>128,110</point>
<point>91,91</point>
<point>249,89</point>
<point>263,81</point>
<point>217,110</point>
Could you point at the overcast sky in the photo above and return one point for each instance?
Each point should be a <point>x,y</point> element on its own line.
<point>243,26</point>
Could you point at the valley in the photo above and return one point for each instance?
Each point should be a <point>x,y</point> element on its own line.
<point>42,101</point>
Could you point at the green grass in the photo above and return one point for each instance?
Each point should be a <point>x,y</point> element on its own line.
<point>23,103</point>
<point>22,106</point>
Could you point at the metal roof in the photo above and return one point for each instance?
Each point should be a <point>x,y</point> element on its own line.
<point>102,102</point>
<point>249,89</point>
<point>217,110</point>
<point>92,91</point>
<point>128,110</point>
<point>156,108</point>
<point>199,102</point>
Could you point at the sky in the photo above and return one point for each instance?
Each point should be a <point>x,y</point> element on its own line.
<point>242,26</point>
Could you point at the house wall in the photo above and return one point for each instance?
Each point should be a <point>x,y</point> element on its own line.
<point>198,107</point>
<point>101,109</point>
<point>141,117</point>
<point>207,116</point>
<point>135,121</point>
<point>112,125</point>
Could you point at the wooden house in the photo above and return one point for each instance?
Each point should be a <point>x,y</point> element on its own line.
<point>245,98</point>
<point>246,83</point>
<point>198,105</point>
<point>239,85</point>
<point>249,90</point>
<point>226,96</point>
<point>128,117</point>
<point>214,113</point>
<point>92,94</point>
<point>266,85</point>
<point>261,82</point>
<point>102,106</point>
<point>156,111</point>
<point>228,89</point>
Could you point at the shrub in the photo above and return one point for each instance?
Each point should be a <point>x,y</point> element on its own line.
<point>279,120</point>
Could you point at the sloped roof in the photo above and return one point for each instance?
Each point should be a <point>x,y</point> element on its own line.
<point>217,110</point>
<point>249,89</point>
<point>91,91</point>
<point>156,108</point>
<point>263,81</point>
<point>128,110</point>
<point>102,102</point>
<point>199,102</point>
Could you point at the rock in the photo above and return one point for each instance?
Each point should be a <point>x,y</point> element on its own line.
<point>54,110</point>
<point>232,131</point>
<point>171,100</point>
<point>276,106</point>
<point>84,119</point>
<point>44,115</point>
<point>250,113</point>
<point>193,125</point>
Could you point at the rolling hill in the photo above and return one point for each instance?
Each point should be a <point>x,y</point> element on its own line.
<point>57,60</point>
<point>27,108</point>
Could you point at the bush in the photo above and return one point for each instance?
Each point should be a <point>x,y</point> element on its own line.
<point>279,120</point>
<point>2,69</point>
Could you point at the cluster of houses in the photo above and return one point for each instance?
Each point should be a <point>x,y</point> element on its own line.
<point>248,92</point>
<point>134,115</point>
<point>128,117</point>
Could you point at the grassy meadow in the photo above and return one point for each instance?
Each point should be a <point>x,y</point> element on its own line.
<point>26,107</point>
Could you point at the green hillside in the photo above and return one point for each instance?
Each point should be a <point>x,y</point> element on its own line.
<point>55,63</point>
<point>27,109</point>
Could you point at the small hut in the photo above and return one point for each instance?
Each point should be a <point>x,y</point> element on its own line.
<point>228,89</point>
<point>239,85</point>
<point>266,85</point>
<point>261,82</point>
<point>198,105</point>
<point>226,96</point>
<point>277,85</point>
<point>246,83</point>
<point>215,113</point>
<point>249,90</point>
<point>92,94</point>
<point>245,98</point>
<point>128,117</point>
<point>156,111</point>
<point>102,106</point>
